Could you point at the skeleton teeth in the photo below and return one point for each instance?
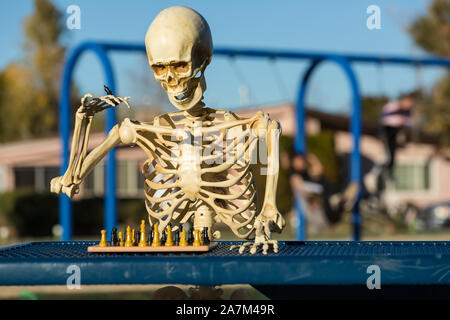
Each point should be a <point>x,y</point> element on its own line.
<point>180,96</point>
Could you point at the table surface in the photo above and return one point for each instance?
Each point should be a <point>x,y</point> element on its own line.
<point>296,263</point>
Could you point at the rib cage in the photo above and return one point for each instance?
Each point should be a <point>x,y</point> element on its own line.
<point>227,185</point>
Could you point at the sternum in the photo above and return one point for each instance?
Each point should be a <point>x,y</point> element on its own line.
<point>189,170</point>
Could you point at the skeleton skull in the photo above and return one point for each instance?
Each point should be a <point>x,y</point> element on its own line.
<point>179,48</point>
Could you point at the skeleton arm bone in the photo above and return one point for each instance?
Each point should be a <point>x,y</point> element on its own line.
<point>68,183</point>
<point>269,212</point>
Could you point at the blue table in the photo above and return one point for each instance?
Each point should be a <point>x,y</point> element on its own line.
<point>298,265</point>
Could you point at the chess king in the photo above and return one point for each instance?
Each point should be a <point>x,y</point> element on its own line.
<point>201,165</point>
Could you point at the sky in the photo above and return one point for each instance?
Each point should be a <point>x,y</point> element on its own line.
<point>320,25</point>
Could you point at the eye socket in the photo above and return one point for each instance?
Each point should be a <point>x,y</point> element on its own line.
<point>159,69</point>
<point>181,67</point>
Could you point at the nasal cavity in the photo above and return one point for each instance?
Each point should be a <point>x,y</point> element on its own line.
<point>172,81</point>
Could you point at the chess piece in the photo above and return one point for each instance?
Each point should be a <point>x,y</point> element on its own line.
<point>205,237</point>
<point>200,237</point>
<point>121,242</point>
<point>143,235</point>
<point>163,238</point>
<point>133,237</point>
<point>190,238</point>
<point>137,237</point>
<point>103,242</point>
<point>183,242</point>
<point>169,241</point>
<point>114,238</point>
<point>177,237</point>
<point>156,241</point>
<point>150,236</point>
<point>128,241</point>
<point>197,237</point>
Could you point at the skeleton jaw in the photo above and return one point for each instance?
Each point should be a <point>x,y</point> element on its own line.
<point>189,98</point>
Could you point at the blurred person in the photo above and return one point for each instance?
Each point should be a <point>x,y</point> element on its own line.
<point>395,120</point>
<point>322,205</point>
<point>396,117</point>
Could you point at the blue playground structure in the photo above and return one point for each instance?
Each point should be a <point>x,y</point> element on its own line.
<point>300,270</point>
<point>101,49</point>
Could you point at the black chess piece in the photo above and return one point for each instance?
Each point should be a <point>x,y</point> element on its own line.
<point>164,238</point>
<point>190,238</point>
<point>137,237</point>
<point>114,237</point>
<point>150,236</point>
<point>205,237</point>
<point>176,237</point>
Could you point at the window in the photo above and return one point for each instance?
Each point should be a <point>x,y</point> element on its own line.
<point>93,183</point>
<point>37,178</point>
<point>412,177</point>
<point>24,177</point>
<point>128,179</point>
<point>49,174</point>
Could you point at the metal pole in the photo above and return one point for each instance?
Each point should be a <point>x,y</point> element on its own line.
<point>300,144</point>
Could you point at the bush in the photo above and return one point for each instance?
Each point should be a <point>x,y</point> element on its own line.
<point>32,214</point>
<point>29,213</point>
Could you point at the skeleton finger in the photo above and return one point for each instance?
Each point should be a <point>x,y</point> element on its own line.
<point>265,248</point>
<point>254,248</point>
<point>85,97</point>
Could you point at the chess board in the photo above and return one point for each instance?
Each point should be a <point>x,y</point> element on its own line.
<point>149,249</point>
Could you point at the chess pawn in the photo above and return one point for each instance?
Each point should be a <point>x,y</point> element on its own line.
<point>143,237</point>
<point>156,241</point>
<point>183,242</point>
<point>121,242</point>
<point>197,239</point>
<point>103,242</point>
<point>169,241</point>
<point>129,241</point>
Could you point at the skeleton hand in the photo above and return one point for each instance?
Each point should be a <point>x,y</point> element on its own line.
<point>57,186</point>
<point>269,220</point>
<point>90,107</point>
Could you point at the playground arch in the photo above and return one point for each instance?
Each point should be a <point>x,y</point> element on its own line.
<point>101,50</point>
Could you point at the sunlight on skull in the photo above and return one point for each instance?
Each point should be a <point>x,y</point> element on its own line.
<point>179,48</point>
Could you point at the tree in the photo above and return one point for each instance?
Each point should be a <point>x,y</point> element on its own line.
<point>432,33</point>
<point>30,87</point>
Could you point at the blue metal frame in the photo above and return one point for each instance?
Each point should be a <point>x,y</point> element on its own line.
<point>101,49</point>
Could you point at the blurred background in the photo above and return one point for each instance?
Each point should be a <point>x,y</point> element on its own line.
<point>406,200</point>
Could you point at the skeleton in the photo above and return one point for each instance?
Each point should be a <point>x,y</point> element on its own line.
<point>194,171</point>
